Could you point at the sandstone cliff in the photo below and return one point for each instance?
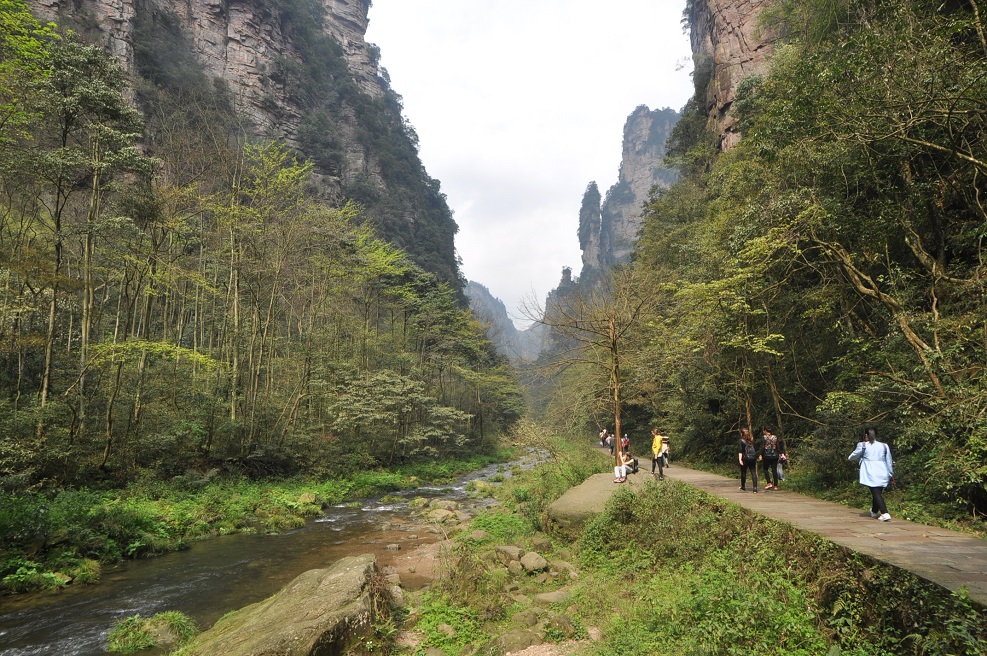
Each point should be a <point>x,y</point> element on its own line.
<point>236,41</point>
<point>609,229</point>
<point>297,70</point>
<point>728,44</point>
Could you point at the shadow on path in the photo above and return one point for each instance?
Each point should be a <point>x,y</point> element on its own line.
<point>945,557</point>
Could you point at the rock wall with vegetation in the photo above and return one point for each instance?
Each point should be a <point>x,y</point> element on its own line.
<point>729,43</point>
<point>176,298</point>
<point>299,71</point>
<point>609,228</point>
<point>516,345</point>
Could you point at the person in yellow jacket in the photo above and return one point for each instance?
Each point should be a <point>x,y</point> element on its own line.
<point>659,452</point>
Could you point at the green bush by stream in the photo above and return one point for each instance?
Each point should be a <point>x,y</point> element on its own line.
<point>50,540</point>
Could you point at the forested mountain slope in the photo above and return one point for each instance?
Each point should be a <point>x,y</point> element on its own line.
<point>820,265</point>
<point>299,71</point>
<point>184,287</point>
<point>827,272</point>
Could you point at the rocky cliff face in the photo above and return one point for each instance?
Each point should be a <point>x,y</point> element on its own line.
<point>237,41</point>
<point>516,345</point>
<point>728,44</point>
<point>608,231</point>
<point>300,71</point>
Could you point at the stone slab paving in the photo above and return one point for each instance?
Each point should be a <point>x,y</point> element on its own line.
<point>945,557</point>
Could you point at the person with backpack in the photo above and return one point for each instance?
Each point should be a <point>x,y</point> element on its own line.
<point>772,449</point>
<point>876,471</point>
<point>747,456</point>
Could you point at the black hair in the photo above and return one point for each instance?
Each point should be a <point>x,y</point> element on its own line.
<point>871,433</point>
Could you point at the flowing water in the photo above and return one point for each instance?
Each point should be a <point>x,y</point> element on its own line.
<point>213,577</point>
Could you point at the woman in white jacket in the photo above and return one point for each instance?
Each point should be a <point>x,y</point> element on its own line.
<point>876,471</point>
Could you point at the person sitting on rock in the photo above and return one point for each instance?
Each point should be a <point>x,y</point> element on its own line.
<point>620,471</point>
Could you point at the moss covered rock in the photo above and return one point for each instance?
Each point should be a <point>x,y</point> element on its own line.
<point>322,611</point>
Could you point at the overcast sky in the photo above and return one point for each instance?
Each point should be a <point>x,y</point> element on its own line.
<point>518,105</point>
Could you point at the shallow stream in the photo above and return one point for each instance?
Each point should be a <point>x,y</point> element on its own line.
<point>214,577</point>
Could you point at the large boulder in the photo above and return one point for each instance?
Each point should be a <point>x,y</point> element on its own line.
<point>567,515</point>
<point>317,614</point>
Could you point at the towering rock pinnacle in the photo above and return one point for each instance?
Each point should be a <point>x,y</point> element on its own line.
<point>728,45</point>
<point>607,232</point>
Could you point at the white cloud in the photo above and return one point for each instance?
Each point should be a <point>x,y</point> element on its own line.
<point>518,105</point>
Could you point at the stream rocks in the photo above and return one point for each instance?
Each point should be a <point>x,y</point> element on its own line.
<point>537,581</point>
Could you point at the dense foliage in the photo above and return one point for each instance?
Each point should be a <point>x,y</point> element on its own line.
<point>828,272</point>
<point>178,301</point>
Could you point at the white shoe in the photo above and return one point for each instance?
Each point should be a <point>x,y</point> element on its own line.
<point>874,514</point>
<point>885,517</point>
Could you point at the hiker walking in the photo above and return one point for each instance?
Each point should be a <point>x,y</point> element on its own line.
<point>876,471</point>
<point>772,449</point>
<point>747,457</point>
<point>659,451</point>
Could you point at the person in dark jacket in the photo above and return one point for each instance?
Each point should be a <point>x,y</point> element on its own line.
<point>772,449</point>
<point>747,457</point>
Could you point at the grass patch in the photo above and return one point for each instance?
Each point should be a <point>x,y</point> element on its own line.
<point>447,625</point>
<point>704,576</point>
<point>136,633</point>
<point>503,525</point>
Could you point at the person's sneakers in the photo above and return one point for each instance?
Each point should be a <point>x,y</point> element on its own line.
<point>743,489</point>
<point>616,480</point>
<point>769,486</point>
<point>885,517</point>
<point>874,514</point>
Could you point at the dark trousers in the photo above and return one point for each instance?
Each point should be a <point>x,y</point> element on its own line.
<point>770,469</point>
<point>752,466</point>
<point>660,461</point>
<point>877,502</point>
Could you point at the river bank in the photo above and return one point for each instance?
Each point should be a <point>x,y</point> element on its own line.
<point>53,541</point>
<point>218,575</point>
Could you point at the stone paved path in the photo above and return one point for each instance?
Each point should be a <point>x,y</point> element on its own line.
<point>945,557</point>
